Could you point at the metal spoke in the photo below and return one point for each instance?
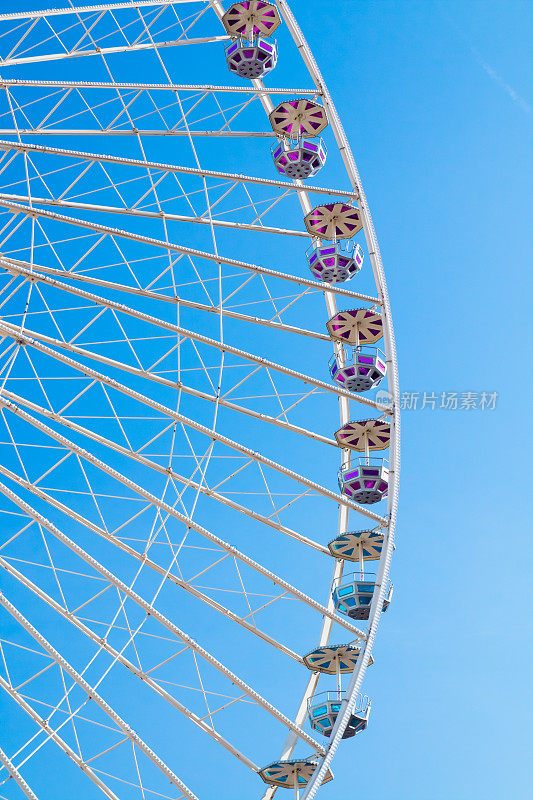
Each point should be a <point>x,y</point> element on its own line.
<point>20,147</point>
<point>187,521</point>
<point>155,215</point>
<point>245,451</point>
<point>95,697</point>
<point>307,379</point>
<point>17,777</point>
<point>159,617</point>
<point>144,428</point>
<point>142,557</point>
<point>108,50</point>
<point>168,87</point>
<point>89,9</point>
<point>51,734</point>
<point>186,250</point>
<point>168,471</point>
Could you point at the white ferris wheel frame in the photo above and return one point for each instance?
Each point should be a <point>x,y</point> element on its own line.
<point>387,524</point>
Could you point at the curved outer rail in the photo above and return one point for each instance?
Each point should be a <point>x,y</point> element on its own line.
<point>350,696</point>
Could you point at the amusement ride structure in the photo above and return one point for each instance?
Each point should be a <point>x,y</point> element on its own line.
<point>182,506</point>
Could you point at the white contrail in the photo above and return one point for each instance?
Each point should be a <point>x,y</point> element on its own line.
<point>500,81</point>
<point>515,97</point>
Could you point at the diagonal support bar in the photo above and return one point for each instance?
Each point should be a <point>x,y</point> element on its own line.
<point>24,147</point>
<point>56,738</point>
<point>28,269</point>
<point>193,335</point>
<point>116,655</point>
<point>127,48</point>
<point>171,511</point>
<point>91,9</point>
<point>177,248</point>
<point>141,557</point>
<point>17,777</point>
<point>161,215</point>
<point>97,698</point>
<point>342,500</point>
<point>154,87</point>
<point>157,615</point>
<point>167,471</point>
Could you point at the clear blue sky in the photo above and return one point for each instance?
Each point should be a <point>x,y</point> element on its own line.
<point>437,101</point>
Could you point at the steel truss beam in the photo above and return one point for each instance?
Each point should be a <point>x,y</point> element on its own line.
<point>205,490</point>
<point>17,777</point>
<point>122,545</point>
<point>177,248</point>
<point>24,147</point>
<point>376,262</point>
<point>171,511</point>
<point>21,338</point>
<point>163,215</point>
<point>54,12</point>
<point>55,737</point>
<point>97,698</point>
<point>143,559</point>
<point>27,269</point>
<point>104,51</point>
<point>188,482</point>
<point>157,615</point>
<point>132,132</point>
<point>116,655</point>
<point>6,83</point>
<point>188,334</point>
<point>16,333</point>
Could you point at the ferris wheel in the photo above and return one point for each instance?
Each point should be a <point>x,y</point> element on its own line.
<point>199,462</point>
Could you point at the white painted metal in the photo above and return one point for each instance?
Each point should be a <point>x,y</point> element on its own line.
<point>30,274</point>
<point>246,451</point>
<point>55,737</point>
<point>115,654</point>
<point>17,777</point>
<point>104,51</point>
<point>93,695</point>
<point>105,229</point>
<point>29,270</point>
<point>188,481</point>
<point>166,215</point>
<point>25,147</point>
<point>190,523</point>
<point>157,615</point>
<point>5,83</point>
<point>135,132</point>
<point>90,9</point>
<point>141,557</point>
<point>22,336</point>
<point>152,465</point>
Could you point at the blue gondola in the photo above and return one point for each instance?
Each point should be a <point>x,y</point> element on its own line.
<point>352,594</point>
<point>323,709</point>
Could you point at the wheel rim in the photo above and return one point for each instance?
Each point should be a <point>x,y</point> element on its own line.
<point>150,339</point>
